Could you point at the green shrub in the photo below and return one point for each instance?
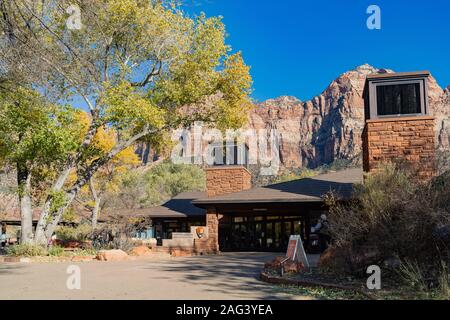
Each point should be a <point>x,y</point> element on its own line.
<point>289,175</point>
<point>156,185</point>
<point>26,250</point>
<point>67,233</point>
<point>124,244</point>
<point>56,251</point>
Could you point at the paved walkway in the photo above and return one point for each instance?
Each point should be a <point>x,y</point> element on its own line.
<point>225,276</point>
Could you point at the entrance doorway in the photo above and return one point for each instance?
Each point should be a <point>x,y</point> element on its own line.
<point>259,233</point>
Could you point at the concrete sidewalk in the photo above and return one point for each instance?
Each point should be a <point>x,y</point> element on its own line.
<point>225,276</point>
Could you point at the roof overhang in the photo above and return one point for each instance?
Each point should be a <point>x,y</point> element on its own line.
<point>393,76</point>
<point>205,203</point>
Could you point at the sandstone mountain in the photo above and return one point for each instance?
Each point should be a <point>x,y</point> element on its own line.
<point>328,127</point>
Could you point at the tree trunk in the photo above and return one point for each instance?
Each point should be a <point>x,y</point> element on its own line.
<point>26,212</point>
<point>95,213</point>
<point>56,216</point>
<point>45,230</point>
<point>97,199</point>
<point>40,237</point>
<point>49,220</point>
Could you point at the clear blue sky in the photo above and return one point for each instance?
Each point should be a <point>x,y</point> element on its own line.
<point>298,47</point>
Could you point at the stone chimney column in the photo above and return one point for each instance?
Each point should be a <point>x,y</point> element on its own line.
<point>398,124</point>
<point>409,139</point>
<point>222,180</point>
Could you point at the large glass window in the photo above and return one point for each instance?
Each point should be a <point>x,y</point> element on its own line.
<point>266,233</point>
<point>398,99</point>
<point>229,153</point>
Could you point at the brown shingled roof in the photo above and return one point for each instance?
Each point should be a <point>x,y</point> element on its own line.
<point>301,190</point>
<point>179,206</point>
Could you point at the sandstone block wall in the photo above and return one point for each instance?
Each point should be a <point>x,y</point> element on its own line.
<point>227,179</point>
<point>212,221</point>
<point>222,180</point>
<point>411,139</point>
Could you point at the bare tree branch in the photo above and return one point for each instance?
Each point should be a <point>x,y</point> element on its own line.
<point>150,75</point>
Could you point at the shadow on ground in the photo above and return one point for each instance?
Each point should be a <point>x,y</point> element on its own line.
<point>10,269</point>
<point>226,273</point>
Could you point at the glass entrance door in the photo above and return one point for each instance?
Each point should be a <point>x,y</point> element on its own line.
<point>273,235</point>
<point>259,233</point>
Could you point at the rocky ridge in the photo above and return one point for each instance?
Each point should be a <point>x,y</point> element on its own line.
<point>328,127</point>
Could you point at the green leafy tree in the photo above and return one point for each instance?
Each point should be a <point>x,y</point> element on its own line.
<point>152,187</point>
<point>35,137</point>
<point>141,67</point>
<point>108,178</point>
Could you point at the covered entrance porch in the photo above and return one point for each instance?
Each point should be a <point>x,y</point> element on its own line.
<point>265,228</point>
<point>259,233</point>
<point>241,218</point>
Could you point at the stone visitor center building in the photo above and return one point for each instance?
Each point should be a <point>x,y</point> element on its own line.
<point>231,215</point>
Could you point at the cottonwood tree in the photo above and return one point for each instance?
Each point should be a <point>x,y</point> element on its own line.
<point>155,184</point>
<point>108,179</point>
<point>8,196</point>
<point>36,138</point>
<point>141,67</point>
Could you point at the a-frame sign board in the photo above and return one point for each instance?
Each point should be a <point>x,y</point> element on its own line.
<point>296,251</point>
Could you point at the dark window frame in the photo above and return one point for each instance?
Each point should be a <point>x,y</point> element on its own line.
<point>373,85</point>
<point>229,153</point>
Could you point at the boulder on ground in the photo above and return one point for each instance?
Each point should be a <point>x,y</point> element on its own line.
<point>181,252</point>
<point>141,251</point>
<point>112,255</point>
